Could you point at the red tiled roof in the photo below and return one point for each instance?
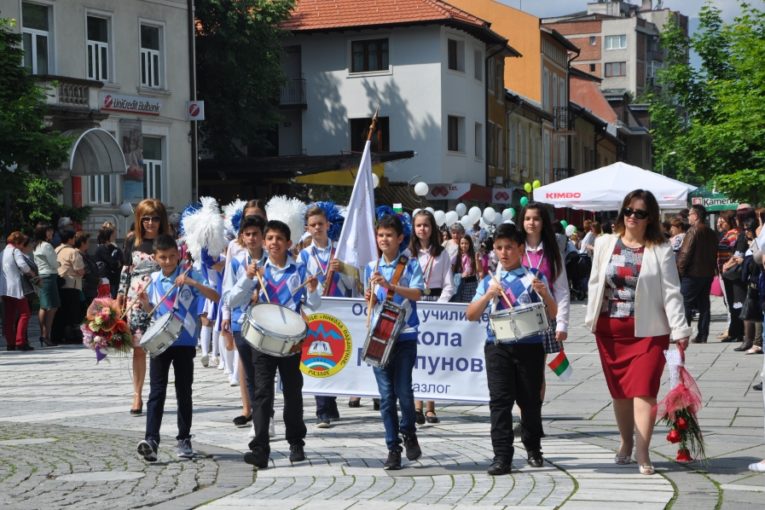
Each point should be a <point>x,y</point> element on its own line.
<point>317,15</point>
<point>587,93</point>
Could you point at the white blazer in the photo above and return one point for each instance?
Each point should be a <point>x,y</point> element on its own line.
<point>658,303</point>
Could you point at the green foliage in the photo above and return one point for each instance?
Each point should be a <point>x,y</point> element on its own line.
<point>239,45</point>
<point>713,120</point>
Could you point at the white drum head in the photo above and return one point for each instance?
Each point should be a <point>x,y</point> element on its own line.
<point>278,320</point>
<point>156,326</point>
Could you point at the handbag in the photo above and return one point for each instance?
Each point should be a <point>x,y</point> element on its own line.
<point>716,289</point>
<point>750,308</point>
<point>734,273</point>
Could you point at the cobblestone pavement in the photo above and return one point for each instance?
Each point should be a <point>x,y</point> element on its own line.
<point>67,441</point>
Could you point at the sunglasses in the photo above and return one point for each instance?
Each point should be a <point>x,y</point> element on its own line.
<point>147,219</point>
<point>637,213</point>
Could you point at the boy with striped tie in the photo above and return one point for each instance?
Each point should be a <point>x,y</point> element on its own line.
<point>285,284</point>
<point>177,292</point>
<point>514,369</point>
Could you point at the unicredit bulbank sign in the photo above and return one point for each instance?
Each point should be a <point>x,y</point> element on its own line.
<point>130,104</point>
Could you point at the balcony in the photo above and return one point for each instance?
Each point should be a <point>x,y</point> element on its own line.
<point>562,119</point>
<point>293,94</point>
<point>71,99</point>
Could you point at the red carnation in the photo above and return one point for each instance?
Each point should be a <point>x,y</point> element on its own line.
<point>681,423</point>
<point>674,436</point>
<point>683,455</point>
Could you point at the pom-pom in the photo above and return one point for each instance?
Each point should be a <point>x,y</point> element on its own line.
<point>204,229</point>
<point>188,211</point>
<point>334,217</point>
<point>290,211</point>
<point>232,212</point>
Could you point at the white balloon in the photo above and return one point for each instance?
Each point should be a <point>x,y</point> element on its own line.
<point>440,217</point>
<point>475,213</point>
<point>508,214</point>
<point>421,189</point>
<point>375,180</point>
<point>466,222</point>
<point>461,209</point>
<point>498,219</point>
<point>482,223</point>
<point>451,218</point>
<point>570,230</point>
<point>488,214</point>
<point>414,213</point>
<point>430,209</point>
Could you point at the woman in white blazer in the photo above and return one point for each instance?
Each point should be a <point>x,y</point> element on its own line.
<point>16,311</point>
<point>634,308</point>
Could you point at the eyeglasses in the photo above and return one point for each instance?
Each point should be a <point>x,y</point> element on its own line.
<point>147,219</point>
<point>637,213</point>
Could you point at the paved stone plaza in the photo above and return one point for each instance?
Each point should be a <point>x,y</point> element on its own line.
<point>67,441</point>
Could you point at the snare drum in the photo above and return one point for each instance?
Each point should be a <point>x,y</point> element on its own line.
<point>273,329</point>
<point>512,324</point>
<point>161,334</point>
<point>382,337</point>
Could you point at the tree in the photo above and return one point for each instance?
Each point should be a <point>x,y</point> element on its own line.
<point>239,75</point>
<point>710,123</point>
<point>27,148</point>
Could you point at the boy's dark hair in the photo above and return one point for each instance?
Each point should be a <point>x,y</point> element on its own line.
<point>280,227</point>
<point>391,221</point>
<point>509,232</point>
<point>66,235</point>
<point>164,242</point>
<point>104,235</point>
<point>253,221</point>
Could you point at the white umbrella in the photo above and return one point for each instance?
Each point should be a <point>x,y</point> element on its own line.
<point>604,189</point>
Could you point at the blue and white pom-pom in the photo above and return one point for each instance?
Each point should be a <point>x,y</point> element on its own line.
<point>406,223</point>
<point>203,229</point>
<point>290,211</point>
<point>334,217</point>
<point>233,216</point>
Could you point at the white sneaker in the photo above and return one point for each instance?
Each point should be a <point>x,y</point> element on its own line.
<point>758,467</point>
<point>213,361</point>
<point>205,360</point>
<point>272,428</point>
<point>233,382</point>
<point>251,433</point>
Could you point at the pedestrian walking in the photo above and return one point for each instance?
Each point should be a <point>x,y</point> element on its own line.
<point>14,285</point>
<point>47,264</point>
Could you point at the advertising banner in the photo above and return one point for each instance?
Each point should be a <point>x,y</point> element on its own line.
<point>132,147</point>
<point>450,360</point>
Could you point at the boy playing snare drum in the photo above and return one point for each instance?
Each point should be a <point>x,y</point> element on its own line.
<point>513,370</point>
<point>163,290</point>
<point>286,284</point>
<point>400,277</point>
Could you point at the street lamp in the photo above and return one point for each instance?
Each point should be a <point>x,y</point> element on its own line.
<point>662,161</point>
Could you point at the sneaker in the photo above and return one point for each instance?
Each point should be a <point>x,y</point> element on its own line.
<point>296,453</point>
<point>535,459</point>
<point>413,451</point>
<point>256,458</point>
<point>499,467</point>
<point>184,449</point>
<point>148,449</point>
<point>393,462</point>
<point>323,423</point>
<point>272,428</point>
<point>205,360</point>
<point>213,361</point>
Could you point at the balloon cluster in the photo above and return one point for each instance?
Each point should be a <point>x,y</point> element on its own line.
<point>469,217</point>
<point>528,188</point>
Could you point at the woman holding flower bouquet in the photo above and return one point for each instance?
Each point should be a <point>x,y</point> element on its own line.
<point>634,307</point>
<point>150,221</point>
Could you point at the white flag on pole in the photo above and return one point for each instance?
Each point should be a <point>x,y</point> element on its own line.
<point>356,246</point>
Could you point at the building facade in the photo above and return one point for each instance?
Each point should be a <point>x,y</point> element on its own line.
<point>116,76</point>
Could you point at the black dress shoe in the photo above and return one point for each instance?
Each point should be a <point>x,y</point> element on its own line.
<point>376,404</point>
<point>393,462</point>
<point>257,458</point>
<point>535,459</point>
<point>499,467</point>
<point>297,453</point>
<point>419,417</point>
<point>757,387</point>
<point>744,347</point>
<point>242,420</point>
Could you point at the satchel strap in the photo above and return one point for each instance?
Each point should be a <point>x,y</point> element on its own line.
<point>397,274</point>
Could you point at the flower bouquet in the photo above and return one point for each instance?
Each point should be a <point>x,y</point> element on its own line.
<point>679,410</point>
<point>104,330</point>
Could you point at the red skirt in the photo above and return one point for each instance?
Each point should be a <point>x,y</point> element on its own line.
<point>632,366</point>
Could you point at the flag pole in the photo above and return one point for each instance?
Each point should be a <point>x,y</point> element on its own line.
<point>370,133</point>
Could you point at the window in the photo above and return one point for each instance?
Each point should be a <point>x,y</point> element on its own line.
<point>512,144</point>
<point>100,189</point>
<point>545,89</point>
<point>592,68</point>
<point>593,40</point>
<point>456,55</point>
<point>36,37</point>
<point>478,140</point>
<point>455,133</point>
<point>616,69</point>
<point>152,166</point>
<point>478,65</point>
<point>380,140</point>
<point>98,48</point>
<point>495,155</point>
<point>151,56</point>
<point>369,55</point>
<point>491,75</point>
<point>616,42</point>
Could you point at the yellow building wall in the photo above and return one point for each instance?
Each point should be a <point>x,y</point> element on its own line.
<point>523,74</point>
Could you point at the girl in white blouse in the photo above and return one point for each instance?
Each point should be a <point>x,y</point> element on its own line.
<point>436,266</point>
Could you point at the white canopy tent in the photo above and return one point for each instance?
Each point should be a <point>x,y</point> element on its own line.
<point>604,189</point>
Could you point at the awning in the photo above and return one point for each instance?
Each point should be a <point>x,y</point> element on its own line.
<point>345,177</point>
<point>94,152</point>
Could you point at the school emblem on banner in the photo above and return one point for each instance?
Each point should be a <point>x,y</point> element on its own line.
<point>327,347</point>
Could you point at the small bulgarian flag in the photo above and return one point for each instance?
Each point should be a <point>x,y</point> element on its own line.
<point>561,366</point>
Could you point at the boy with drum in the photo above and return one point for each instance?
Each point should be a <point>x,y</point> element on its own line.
<point>319,260</point>
<point>177,292</point>
<point>514,367</point>
<point>281,280</point>
<point>398,278</point>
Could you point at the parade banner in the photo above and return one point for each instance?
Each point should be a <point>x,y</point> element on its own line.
<point>450,363</point>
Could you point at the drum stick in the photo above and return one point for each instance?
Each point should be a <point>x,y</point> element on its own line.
<point>504,296</point>
<point>167,293</point>
<point>260,278</point>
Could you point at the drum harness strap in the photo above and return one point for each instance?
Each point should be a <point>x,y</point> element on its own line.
<point>397,274</point>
